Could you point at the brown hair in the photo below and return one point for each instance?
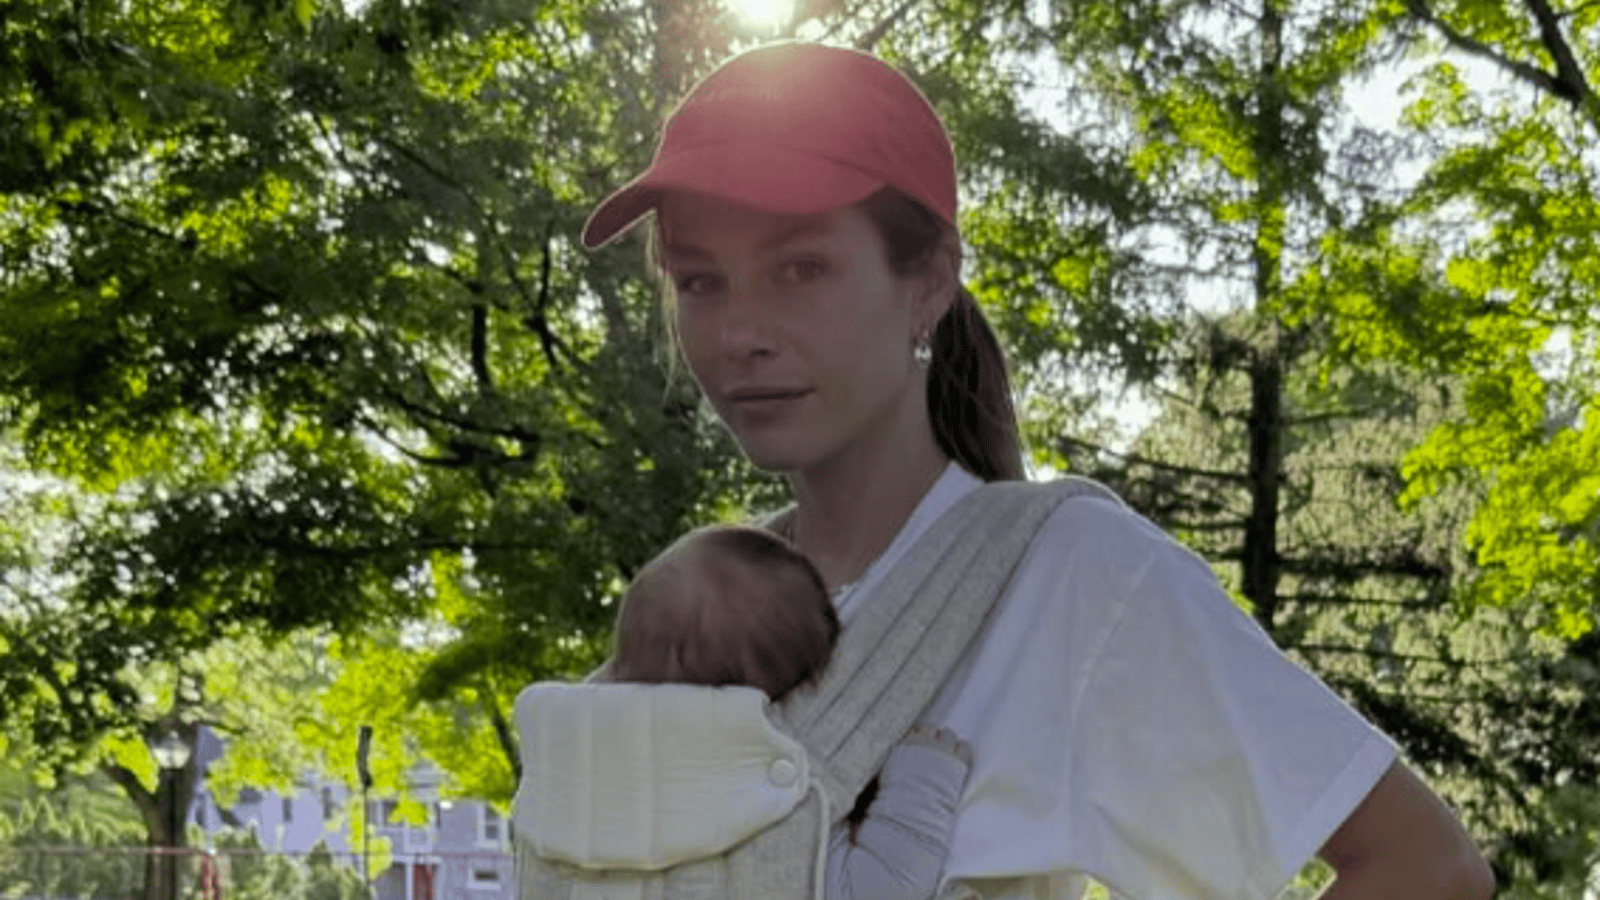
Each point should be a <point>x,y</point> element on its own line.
<point>752,610</point>
<point>969,390</point>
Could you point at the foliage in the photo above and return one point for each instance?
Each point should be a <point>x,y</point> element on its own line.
<point>296,325</point>
<point>1530,361</point>
<point>248,873</point>
<point>56,842</point>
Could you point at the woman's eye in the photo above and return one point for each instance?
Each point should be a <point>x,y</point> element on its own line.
<point>799,271</point>
<point>697,283</point>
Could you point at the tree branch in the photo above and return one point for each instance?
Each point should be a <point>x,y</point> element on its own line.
<point>1581,7</point>
<point>363,551</point>
<point>143,798</point>
<point>184,242</point>
<point>546,337</point>
<point>480,349</point>
<point>876,33</point>
<point>463,456</point>
<point>465,424</point>
<point>1568,72</point>
<point>1205,527</point>
<point>536,320</point>
<point>1532,74</point>
<point>1067,443</point>
<point>504,735</point>
<point>438,174</point>
<point>1335,415</point>
<point>1376,653</point>
<point>1357,600</point>
<point>1402,561</point>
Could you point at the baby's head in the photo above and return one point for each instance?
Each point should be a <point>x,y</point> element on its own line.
<point>726,605</point>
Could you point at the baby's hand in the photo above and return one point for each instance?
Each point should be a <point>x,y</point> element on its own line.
<point>932,764</point>
<point>939,739</point>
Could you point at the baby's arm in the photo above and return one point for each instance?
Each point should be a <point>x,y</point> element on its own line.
<point>898,852</point>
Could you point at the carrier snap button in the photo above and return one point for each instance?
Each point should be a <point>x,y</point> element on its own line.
<point>783,773</point>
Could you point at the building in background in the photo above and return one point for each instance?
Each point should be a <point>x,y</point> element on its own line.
<point>462,851</point>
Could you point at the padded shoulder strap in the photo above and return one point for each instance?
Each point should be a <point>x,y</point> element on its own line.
<point>915,628</point>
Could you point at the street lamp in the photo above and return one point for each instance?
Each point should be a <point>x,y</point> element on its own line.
<point>171,753</point>
<point>363,750</point>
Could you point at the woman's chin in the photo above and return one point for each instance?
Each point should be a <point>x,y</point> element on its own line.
<point>776,463</point>
<point>775,454</point>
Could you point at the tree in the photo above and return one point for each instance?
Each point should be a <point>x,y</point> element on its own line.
<point>1526,281</point>
<point>1515,326</point>
<point>322,345</point>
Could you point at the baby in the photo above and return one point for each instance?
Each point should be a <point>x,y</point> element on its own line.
<point>731,605</point>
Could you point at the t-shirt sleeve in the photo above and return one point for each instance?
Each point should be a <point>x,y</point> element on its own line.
<point>1206,765</point>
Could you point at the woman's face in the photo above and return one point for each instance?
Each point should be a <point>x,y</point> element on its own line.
<point>795,327</point>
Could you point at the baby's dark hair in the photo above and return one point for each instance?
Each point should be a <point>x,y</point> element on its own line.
<point>726,605</point>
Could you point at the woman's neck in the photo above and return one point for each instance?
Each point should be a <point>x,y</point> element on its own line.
<point>848,511</point>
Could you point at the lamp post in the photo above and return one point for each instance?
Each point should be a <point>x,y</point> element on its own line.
<point>363,750</point>
<point>171,753</point>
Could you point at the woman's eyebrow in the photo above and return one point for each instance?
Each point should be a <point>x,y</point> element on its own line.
<point>805,228</point>
<point>690,253</point>
<point>684,250</point>
<point>684,253</point>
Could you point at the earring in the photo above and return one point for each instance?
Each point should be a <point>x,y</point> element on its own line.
<point>923,352</point>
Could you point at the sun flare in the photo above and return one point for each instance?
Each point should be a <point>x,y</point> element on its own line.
<point>763,13</point>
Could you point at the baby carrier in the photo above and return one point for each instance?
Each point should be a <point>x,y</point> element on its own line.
<point>678,792</point>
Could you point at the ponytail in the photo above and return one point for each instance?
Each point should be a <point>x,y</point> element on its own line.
<point>969,392</point>
<point>969,395</point>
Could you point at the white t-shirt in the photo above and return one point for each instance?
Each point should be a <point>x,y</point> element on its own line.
<point>1130,723</point>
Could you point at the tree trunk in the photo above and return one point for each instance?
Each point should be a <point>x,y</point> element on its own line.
<point>164,811</point>
<point>1259,567</point>
<point>1259,578</point>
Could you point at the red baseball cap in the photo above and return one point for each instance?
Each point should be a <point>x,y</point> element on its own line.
<point>793,128</point>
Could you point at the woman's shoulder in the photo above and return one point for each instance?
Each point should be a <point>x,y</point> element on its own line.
<point>1093,533</point>
<point>1085,505</point>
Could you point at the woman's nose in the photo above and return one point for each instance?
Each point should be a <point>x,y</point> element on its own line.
<point>745,329</point>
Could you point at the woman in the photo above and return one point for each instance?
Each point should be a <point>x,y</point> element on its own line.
<point>1126,720</point>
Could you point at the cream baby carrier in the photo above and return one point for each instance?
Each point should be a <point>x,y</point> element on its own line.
<point>679,792</point>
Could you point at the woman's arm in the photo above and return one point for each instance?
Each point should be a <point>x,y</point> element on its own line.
<point>1403,842</point>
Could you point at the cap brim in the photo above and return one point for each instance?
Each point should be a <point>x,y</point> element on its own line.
<point>768,178</point>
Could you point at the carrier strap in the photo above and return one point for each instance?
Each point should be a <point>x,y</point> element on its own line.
<point>915,630</point>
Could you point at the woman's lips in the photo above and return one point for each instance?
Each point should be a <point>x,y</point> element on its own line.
<point>765,402</point>
<point>766,395</point>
